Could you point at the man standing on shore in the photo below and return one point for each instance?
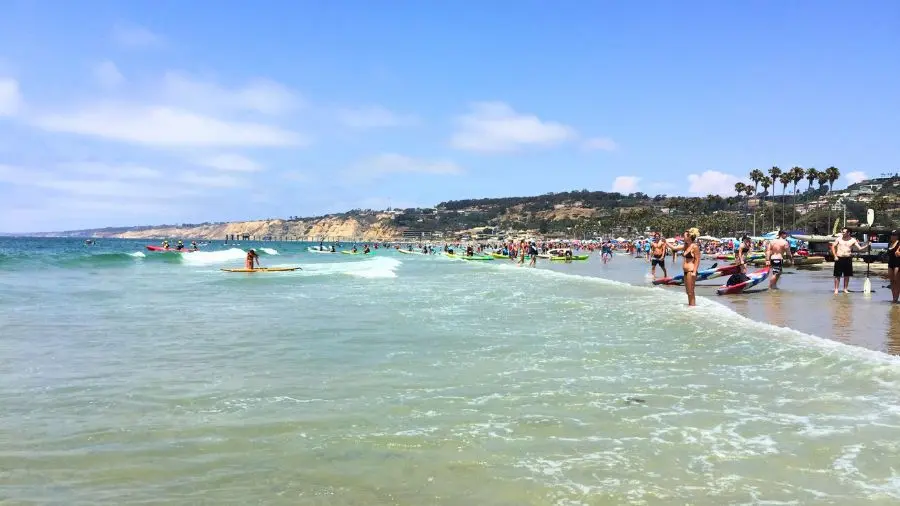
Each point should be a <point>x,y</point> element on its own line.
<point>658,255</point>
<point>842,249</point>
<point>775,252</point>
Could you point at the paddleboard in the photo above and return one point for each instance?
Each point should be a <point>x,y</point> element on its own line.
<point>702,275</point>
<point>475,257</point>
<point>317,250</point>
<point>263,269</point>
<point>409,252</point>
<point>574,257</point>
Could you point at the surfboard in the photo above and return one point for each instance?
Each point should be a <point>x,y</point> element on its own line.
<point>263,269</point>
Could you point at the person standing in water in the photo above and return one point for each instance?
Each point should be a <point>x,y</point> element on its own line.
<point>775,252</point>
<point>842,249</point>
<point>691,263</point>
<point>894,264</point>
<point>251,257</point>
<point>743,252</point>
<point>658,255</point>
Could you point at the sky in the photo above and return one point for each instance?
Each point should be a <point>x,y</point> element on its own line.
<point>165,111</point>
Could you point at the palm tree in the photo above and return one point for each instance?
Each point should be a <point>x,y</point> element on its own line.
<point>739,188</point>
<point>785,179</point>
<point>797,175</point>
<point>833,174</point>
<point>757,177</point>
<point>823,178</point>
<point>774,173</point>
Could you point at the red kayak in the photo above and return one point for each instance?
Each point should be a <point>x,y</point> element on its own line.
<point>755,279</point>
<point>169,250</point>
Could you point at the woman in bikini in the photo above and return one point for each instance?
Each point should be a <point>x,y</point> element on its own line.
<point>690,263</point>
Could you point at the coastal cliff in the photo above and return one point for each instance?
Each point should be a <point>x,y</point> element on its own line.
<point>376,227</point>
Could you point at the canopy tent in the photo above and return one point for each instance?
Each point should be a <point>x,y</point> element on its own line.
<point>709,238</point>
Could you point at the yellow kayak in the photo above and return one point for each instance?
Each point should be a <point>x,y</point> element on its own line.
<point>263,269</point>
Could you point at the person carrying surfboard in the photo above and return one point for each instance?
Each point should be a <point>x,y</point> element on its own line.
<point>775,252</point>
<point>251,257</point>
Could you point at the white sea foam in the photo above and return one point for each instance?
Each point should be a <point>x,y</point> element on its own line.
<point>199,258</point>
<point>376,267</point>
<point>137,254</point>
<point>269,251</point>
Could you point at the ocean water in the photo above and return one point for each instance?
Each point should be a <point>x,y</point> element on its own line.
<point>128,377</point>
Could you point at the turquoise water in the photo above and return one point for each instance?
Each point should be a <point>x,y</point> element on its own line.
<point>138,378</point>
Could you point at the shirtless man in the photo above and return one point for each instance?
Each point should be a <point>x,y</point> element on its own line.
<point>775,253</point>
<point>658,255</point>
<point>842,249</point>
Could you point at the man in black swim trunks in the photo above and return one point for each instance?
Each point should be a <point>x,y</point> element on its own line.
<point>775,252</point>
<point>658,255</point>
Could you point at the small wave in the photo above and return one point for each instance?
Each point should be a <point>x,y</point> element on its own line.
<point>199,258</point>
<point>269,251</point>
<point>137,254</point>
<point>376,267</point>
<point>717,313</point>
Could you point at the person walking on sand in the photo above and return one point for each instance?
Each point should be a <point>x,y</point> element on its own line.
<point>842,249</point>
<point>775,252</point>
<point>690,263</point>
<point>894,264</point>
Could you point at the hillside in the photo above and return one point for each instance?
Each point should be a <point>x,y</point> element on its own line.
<point>578,213</point>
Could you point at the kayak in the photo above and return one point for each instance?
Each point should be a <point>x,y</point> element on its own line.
<point>473,257</point>
<point>317,250</point>
<point>263,269</point>
<point>169,250</point>
<point>755,279</point>
<point>702,275</point>
<point>573,257</point>
<point>409,252</point>
<point>346,252</point>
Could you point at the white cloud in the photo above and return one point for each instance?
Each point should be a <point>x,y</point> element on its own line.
<point>260,95</point>
<point>712,182</point>
<point>390,163</point>
<point>10,97</point>
<point>496,127</point>
<point>599,144</point>
<point>231,162</point>
<point>165,127</point>
<point>125,171</point>
<point>79,187</point>
<point>855,177</point>
<point>215,181</point>
<point>374,117</point>
<point>625,184</point>
<point>107,74</point>
<point>138,37</point>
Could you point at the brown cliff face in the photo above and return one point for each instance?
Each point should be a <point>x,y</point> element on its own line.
<point>312,230</point>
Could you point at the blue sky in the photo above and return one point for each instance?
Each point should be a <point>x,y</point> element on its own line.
<point>146,112</point>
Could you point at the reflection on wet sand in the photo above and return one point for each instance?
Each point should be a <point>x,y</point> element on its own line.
<point>892,340</point>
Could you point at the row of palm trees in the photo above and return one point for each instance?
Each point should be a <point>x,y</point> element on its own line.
<point>794,175</point>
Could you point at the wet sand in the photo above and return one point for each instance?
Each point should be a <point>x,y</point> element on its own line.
<point>805,300</point>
